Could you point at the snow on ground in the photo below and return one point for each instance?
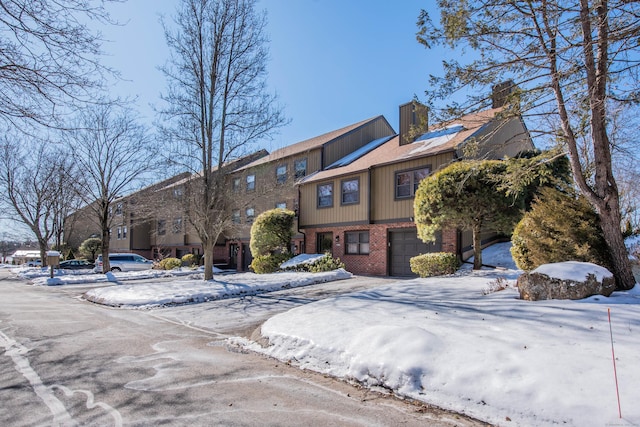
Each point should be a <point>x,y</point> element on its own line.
<point>448,341</point>
<point>495,357</point>
<point>197,290</point>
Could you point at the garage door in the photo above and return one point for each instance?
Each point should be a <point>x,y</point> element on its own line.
<point>404,245</point>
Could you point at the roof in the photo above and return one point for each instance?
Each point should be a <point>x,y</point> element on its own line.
<point>440,139</point>
<point>308,144</point>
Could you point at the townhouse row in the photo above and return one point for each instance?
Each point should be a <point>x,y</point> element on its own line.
<point>352,190</point>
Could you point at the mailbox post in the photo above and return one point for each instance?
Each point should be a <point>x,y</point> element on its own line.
<point>53,260</point>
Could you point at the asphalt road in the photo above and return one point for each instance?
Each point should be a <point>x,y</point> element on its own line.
<point>69,362</point>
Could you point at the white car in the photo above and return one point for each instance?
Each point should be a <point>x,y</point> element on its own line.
<point>34,263</point>
<point>124,262</point>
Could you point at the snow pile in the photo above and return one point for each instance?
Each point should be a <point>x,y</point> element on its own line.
<point>573,270</point>
<point>198,290</point>
<point>495,357</point>
<point>302,259</point>
<point>39,276</point>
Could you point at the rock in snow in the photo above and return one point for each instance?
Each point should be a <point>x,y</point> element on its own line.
<point>566,280</point>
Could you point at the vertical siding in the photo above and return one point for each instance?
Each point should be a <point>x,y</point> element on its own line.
<point>346,144</point>
<point>311,215</point>
<point>411,113</point>
<point>385,206</point>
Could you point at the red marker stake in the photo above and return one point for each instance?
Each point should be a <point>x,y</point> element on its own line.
<point>613,355</point>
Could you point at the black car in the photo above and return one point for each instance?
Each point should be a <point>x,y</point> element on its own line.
<point>76,264</point>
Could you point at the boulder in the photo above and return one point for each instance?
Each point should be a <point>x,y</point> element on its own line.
<point>566,280</point>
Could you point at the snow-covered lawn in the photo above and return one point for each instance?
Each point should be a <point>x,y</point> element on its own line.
<point>450,342</point>
<point>197,290</point>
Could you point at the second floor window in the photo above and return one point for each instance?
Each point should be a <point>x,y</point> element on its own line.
<point>236,185</point>
<point>281,174</point>
<point>124,232</point>
<point>119,233</point>
<point>162,227</point>
<point>300,167</point>
<point>407,182</point>
<point>325,195</point>
<point>119,209</point>
<point>177,225</point>
<point>250,213</point>
<point>251,182</point>
<point>235,216</point>
<point>281,205</point>
<point>350,191</point>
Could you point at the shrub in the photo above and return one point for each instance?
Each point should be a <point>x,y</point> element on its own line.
<point>90,248</point>
<point>170,263</point>
<point>271,232</point>
<point>559,227</point>
<point>434,264</point>
<point>190,260</point>
<point>326,263</point>
<point>263,264</point>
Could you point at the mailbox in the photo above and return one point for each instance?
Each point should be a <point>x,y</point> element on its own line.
<point>53,260</point>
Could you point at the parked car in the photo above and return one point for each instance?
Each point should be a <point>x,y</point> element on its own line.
<point>34,263</point>
<point>76,264</point>
<point>124,262</point>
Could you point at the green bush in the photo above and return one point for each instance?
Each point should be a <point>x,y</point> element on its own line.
<point>170,263</point>
<point>326,263</point>
<point>559,227</point>
<point>271,232</point>
<point>264,264</point>
<point>190,260</point>
<point>434,264</point>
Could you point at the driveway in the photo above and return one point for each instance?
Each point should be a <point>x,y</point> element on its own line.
<point>69,362</point>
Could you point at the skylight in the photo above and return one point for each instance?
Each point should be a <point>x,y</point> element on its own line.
<point>355,155</point>
<point>440,132</point>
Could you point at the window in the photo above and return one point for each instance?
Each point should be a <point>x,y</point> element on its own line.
<point>119,233</point>
<point>177,193</point>
<point>119,209</point>
<point>300,167</point>
<point>124,232</point>
<point>281,205</point>
<point>235,216</point>
<point>325,195</point>
<point>250,213</point>
<point>281,174</point>
<point>357,242</point>
<point>350,191</point>
<point>407,182</point>
<point>251,182</point>
<point>177,225</point>
<point>162,227</point>
<point>236,185</point>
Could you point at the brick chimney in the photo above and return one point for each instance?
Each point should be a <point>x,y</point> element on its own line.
<point>501,92</point>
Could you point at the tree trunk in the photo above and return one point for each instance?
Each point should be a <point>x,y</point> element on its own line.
<point>208,246</point>
<point>610,224</point>
<point>477,248</point>
<point>106,266</point>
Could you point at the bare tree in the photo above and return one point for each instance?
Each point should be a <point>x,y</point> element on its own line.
<point>573,63</point>
<point>30,176</point>
<point>48,58</point>
<point>217,103</point>
<point>115,153</point>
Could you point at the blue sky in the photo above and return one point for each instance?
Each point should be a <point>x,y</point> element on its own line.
<point>333,62</point>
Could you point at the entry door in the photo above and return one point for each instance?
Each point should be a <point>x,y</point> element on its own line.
<point>324,243</point>
<point>404,245</point>
<point>233,256</point>
<point>247,258</point>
